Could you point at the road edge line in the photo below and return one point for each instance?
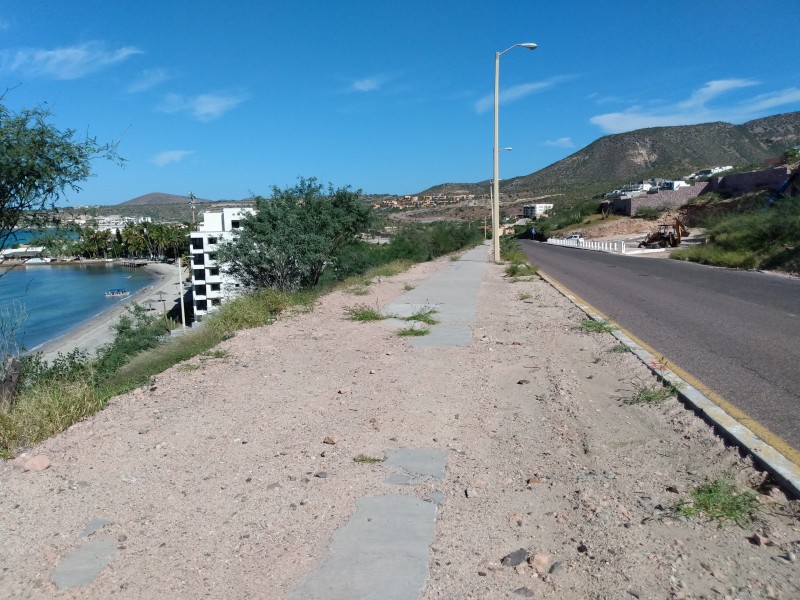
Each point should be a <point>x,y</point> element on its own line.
<point>772,460</point>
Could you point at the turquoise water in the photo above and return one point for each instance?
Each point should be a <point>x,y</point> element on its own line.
<point>23,236</point>
<point>59,298</point>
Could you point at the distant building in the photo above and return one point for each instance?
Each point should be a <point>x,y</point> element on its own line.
<point>711,171</point>
<point>210,284</point>
<point>673,185</point>
<point>23,252</point>
<point>535,211</point>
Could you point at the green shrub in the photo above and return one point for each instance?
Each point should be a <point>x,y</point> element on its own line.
<point>255,309</point>
<point>73,366</point>
<point>715,255</point>
<point>45,409</point>
<point>650,213</point>
<point>135,331</point>
<point>762,238</point>
<point>564,216</point>
<point>521,270</point>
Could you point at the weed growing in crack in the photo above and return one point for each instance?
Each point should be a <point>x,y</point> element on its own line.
<point>720,500</point>
<point>423,315</point>
<point>524,296</point>
<point>521,270</point>
<point>358,290</point>
<point>364,313</point>
<point>368,460</point>
<point>650,394</point>
<point>413,331</point>
<point>592,326</point>
<point>619,348</point>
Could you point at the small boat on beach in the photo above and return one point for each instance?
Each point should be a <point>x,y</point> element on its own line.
<point>117,293</point>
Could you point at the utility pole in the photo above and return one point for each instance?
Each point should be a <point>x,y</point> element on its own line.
<point>180,292</point>
<point>192,203</point>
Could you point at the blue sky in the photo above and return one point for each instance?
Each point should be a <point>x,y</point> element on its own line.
<point>230,98</point>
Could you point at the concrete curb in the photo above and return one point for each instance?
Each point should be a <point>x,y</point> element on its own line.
<point>785,472</point>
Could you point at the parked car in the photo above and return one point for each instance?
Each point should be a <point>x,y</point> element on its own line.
<point>575,237</point>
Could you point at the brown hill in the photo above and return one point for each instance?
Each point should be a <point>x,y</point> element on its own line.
<point>159,198</point>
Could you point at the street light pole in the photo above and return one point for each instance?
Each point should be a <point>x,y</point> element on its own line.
<point>496,180</point>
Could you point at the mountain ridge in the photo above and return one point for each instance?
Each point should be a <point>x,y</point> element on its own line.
<point>672,151</point>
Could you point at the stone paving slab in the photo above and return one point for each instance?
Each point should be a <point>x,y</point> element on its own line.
<point>85,563</point>
<point>381,552</point>
<point>428,462</point>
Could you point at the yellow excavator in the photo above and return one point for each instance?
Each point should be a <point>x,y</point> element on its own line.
<point>667,234</point>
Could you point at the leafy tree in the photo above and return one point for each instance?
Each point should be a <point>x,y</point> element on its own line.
<point>38,164</point>
<point>59,243</point>
<point>295,235</point>
<point>135,241</point>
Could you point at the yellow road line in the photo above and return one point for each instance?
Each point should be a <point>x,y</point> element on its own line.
<point>756,427</point>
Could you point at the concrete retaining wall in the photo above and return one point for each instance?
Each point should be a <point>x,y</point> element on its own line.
<point>739,183</point>
<point>662,198</point>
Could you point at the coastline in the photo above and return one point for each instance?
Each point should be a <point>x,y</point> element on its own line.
<point>97,331</point>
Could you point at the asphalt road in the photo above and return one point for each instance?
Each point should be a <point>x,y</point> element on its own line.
<point>738,332</point>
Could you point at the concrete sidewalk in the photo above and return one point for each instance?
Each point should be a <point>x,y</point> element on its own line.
<point>453,293</point>
<point>383,550</point>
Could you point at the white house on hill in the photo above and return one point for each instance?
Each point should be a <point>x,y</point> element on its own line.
<point>210,285</point>
<point>534,211</point>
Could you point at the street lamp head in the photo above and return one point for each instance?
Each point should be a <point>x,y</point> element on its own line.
<point>529,46</point>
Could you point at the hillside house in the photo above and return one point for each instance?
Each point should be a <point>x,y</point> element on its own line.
<point>536,211</point>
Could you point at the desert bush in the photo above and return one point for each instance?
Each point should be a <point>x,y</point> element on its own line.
<point>294,236</point>
<point>764,238</point>
<point>650,213</point>
<point>135,332</point>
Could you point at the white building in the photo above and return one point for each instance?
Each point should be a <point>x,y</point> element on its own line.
<point>210,284</point>
<point>534,211</point>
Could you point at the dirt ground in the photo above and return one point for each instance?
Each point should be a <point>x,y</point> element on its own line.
<point>215,481</point>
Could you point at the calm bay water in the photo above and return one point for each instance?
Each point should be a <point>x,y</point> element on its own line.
<point>59,298</point>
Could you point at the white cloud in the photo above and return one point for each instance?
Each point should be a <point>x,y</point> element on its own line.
<point>205,107</point>
<point>71,62</point>
<point>773,99</point>
<point>149,78</point>
<point>513,94</point>
<point>170,156</point>
<point>697,108</point>
<point>210,106</point>
<point>369,84</point>
<point>712,89</point>
<point>562,142</point>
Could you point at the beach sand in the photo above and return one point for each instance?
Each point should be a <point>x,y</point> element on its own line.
<point>89,336</point>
